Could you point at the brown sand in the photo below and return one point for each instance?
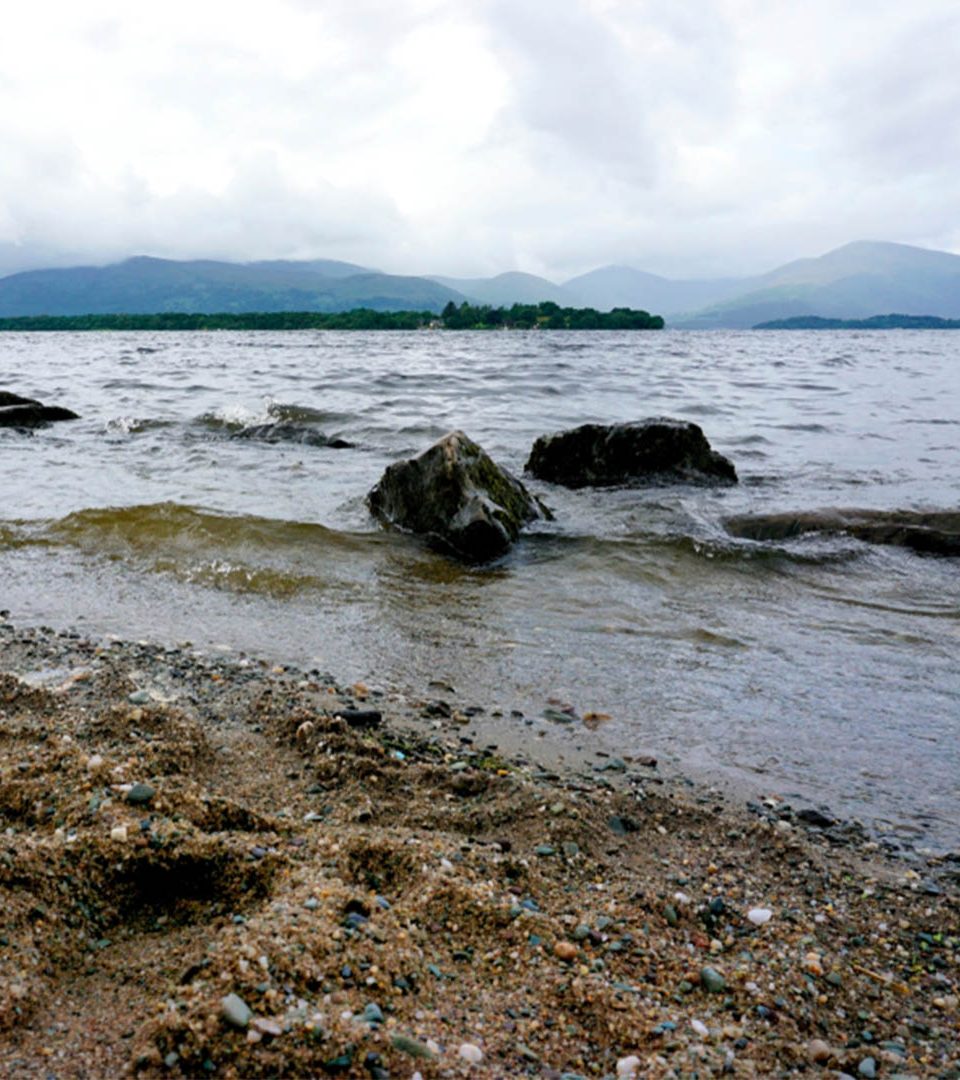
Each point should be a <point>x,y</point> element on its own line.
<point>315,869</point>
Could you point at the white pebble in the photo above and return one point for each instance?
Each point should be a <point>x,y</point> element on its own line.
<point>470,1052</point>
<point>119,832</point>
<point>446,865</point>
<point>681,898</point>
<point>759,915</point>
<point>433,1047</point>
<point>94,761</point>
<point>627,1067</point>
<point>700,1028</point>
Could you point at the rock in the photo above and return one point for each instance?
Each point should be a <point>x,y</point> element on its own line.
<point>867,1068</point>
<point>811,816</point>
<point>360,718</point>
<point>21,412</point>
<point>627,1067</point>
<point>933,533</point>
<point>566,951</point>
<point>758,915</point>
<point>235,1011</point>
<point>712,981</point>
<point>412,1047</point>
<point>140,794</point>
<point>818,1051</point>
<point>657,449</point>
<point>456,497</point>
<point>471,1053</point>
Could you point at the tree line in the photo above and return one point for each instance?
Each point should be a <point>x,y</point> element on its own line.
<point>543,316</point>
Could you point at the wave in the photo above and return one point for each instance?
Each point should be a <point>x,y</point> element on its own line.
<point>237,553</point>
<point>276,423</point>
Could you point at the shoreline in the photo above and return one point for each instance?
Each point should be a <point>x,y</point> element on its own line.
<point>184,830</point>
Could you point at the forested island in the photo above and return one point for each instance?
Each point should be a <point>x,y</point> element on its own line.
<point>875,322</point>
<point>543,316</point>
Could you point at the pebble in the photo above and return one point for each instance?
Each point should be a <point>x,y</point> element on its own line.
<point>412,1047</point>
<point>758,915</point>
<point>139,697</point>
<point>700,1028</point>
<point>813,964</point>
<point>712,981</point>
<point>235,1011</point>
<point>266,1026</point>
<point>373,1014</point>
<point>471,1052</point>
<point>868,1068</point>
<point>627,1067</point>
<point>818,1051</point>
<point>119,833</point>
<point>565,950</point>
<point>140,794</point>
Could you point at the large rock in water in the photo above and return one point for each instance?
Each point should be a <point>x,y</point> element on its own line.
<point>655,450</point>
<point>456,497</point>
<point>21,412</point>
<point>935,532</point>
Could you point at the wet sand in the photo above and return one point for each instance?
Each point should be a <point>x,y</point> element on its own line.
<point>215,867</point>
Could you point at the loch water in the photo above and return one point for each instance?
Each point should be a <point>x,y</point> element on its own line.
<point>199,498</point>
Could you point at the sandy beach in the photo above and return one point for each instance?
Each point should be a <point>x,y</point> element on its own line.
<point>215,867</point>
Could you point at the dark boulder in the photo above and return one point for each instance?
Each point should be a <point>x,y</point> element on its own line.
<point>456,497</point>
<point>652,451</point>
<point>935,532</point>
<point>21,412</point>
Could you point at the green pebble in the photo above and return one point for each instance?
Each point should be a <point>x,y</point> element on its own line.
<point>412,1047</point>
<point>712,981</point>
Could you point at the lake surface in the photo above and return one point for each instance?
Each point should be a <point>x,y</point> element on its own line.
<point>195,500</point>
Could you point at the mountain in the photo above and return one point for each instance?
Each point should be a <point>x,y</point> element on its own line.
<point>146,285</point>
<point>855,281</point>
<point>851,282</point>
<point>510,288</point>
<point>622,286</point>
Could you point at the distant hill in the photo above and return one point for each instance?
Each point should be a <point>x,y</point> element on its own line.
<point>851,282</point>
<point>622,286</point>
<point>146,285</point>
<point>875,322</point>
<point>510,288</point>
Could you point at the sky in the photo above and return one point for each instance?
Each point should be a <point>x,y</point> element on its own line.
<point>470,137</point>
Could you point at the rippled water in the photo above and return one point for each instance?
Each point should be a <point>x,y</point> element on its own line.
<point>197,499</point>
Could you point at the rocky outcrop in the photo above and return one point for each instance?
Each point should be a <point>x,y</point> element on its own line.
<point>456,497</point>
<point>21,412</point>
<point>652,451</point>
<point>932,533</point>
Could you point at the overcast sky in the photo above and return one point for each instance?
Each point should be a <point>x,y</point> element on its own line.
<point>683,137</point>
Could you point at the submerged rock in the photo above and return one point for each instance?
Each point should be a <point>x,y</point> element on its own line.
<point>456,497</point>
<point>934,533</point>
<point>17,411</point>
<point>286,432</point>
<point>600,455</point>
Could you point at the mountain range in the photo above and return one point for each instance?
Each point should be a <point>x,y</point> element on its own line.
<point>855,281</point>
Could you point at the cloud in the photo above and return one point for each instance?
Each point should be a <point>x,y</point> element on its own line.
<point>475,136</point>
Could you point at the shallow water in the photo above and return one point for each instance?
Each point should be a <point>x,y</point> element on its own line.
<point>196,500</point>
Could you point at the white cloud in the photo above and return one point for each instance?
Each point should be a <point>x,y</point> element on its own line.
<point>475,136</point>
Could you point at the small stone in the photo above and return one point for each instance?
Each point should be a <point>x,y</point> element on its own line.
<point>818,1051</point>
<point>813,964</point>
<point>119,833</point>
<point>627,1067</point>
<point>373,1014</point>
<point>235,1011</point>
<point>171,1059</point>
<point>700,1028</point>
<point>140,794</point>
<point>545,850</point>
<point>670,914</point>
<point>758,915</point>
<point>565,950</point>
<point>311,904</point>
<point>266,1026</point>
<point>139,697</point>
<point>412,1047</point>
<point>868,1068</point>
<point>712,981</point>
<point>471,1053</point>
